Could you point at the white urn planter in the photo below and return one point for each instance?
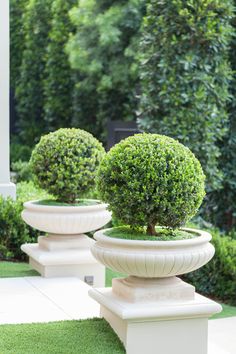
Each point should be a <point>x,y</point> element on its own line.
<point>65,251</point>
<point>66,220</point>
<point>153,259</point>
<point>152,310</point>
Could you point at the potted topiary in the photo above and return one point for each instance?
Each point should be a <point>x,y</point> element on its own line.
<point>65,163</point>
<point>154,185</point>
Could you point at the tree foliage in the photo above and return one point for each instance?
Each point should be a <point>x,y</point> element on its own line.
<point>221,210</point>
<point>17,8</point>
<point>226,215</point>
<point>29,92</point>
<point>103,51</point>
<point>59,78</point>
<point>217,278</point>
<point>185,75</point>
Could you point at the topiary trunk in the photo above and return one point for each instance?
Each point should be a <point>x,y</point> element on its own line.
<point>151,230</point>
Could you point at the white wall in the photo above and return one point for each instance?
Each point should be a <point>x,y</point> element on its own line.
<point>6,188</point>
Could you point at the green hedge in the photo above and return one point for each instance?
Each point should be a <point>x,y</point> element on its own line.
<point>29,90</point>
<point>102,81</point>
<point>221,210</point>
<point>185,75</point>
<point>17,9</point>
<point>217,279</point>
<point>19,151</point>
<point>58,83</point>
<point>14,231</point>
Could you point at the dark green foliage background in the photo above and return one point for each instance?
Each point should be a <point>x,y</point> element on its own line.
<point>29,90</point>
<point>221,206</point>
<point>150,179</point>
<point>188,89</point>
<point>217,278</point>
<point>18,151</point>
<point>103,50</point>
<point>58,85</point>
<point>22,171</point>
<point>102,81</point>
<point>14,231</point>
<point>17,9</point>
<point>185,76</point>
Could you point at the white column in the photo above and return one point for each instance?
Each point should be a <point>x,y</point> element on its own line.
<point>6,187</point>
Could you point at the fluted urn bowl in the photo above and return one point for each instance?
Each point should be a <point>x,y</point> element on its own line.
<point>153,259</point>
<point>66,220</point>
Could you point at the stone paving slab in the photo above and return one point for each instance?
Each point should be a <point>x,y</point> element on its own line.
<point>222,336</point>
<point>37,299</point>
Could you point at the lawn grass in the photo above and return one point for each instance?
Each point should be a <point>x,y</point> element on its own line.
<point>228,311</point>
<point>163,234</point>
<point>110,274</point>
<point>67,337</point>
<point>12,269</point>
<point>15,270</point>
<point>82,202</point>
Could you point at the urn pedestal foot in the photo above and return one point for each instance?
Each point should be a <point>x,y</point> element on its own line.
<point>62,256</point>
<point>164,317</point>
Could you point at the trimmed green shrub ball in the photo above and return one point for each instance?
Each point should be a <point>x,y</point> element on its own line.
<point>151,179</point>
<point>65,163</point>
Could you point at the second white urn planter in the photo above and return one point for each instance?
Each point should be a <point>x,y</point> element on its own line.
<point>152,310</point>
<point>65,251</point>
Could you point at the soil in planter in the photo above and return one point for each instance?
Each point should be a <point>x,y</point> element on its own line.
<point>163,234</point>
<point>81,202</point>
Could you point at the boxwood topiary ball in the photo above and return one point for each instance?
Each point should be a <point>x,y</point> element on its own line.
<point>65,163</point>
<point>151,179</point>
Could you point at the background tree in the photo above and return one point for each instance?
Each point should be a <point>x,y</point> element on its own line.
<point>185,76</point>
<point>103,51</point>
<point>59,77</point>
<point>221,210</point>
<point>17,8</point>
<point>29,91</point>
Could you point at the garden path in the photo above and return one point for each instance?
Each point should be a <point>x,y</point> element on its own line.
<point>222,336</point>
<point>37,299</point>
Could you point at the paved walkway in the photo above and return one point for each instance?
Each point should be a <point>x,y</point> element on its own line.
<point>222,336</point>
<point>37,299</point>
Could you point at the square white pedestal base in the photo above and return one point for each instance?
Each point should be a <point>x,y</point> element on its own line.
<point>65,256</point>
<point>158,327</point>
